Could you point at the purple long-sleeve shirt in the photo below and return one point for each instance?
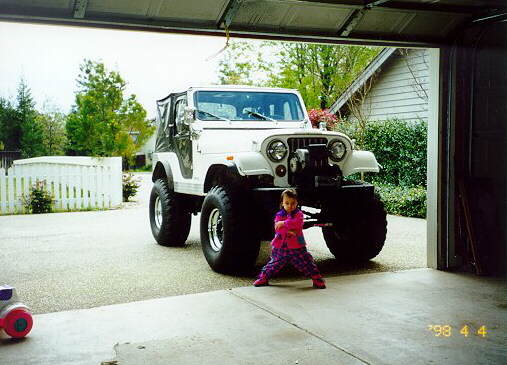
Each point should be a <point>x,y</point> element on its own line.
<point>292,222</point>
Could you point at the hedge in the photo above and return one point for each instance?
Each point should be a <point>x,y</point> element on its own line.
<point>400,148</point>
<point>405,201</point>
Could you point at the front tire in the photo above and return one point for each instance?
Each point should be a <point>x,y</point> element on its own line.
<point>169,220</point>
<point>229,242</point>
<point>358,234</point>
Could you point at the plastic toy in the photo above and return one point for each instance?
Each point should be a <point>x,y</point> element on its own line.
<point>15,317</point>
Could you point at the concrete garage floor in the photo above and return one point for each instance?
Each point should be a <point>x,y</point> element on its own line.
<point>379,318</point>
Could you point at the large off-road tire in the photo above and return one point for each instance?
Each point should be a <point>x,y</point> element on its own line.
<point>358,233</point>
<point>170,221</point>
<point>229,240</point>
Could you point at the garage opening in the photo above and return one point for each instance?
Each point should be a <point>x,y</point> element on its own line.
<point>398,82</point>
<point>452,240</point>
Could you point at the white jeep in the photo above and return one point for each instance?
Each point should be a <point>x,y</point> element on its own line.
<point>229,151</point>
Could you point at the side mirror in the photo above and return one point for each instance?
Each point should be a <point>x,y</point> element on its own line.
<point>189,115</point>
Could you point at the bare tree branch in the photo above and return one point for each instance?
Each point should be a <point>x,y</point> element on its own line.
<point>360,106</point>
<point>417,83</point>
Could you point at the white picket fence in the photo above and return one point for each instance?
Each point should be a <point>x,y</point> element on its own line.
<point>76,183</point>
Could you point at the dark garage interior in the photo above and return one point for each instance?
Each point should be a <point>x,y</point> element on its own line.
<point>477,116</point>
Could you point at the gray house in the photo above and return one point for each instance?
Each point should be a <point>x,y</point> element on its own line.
<point>394,85</point>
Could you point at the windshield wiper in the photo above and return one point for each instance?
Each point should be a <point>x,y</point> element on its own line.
<point>259,115</point>
<point>212,115</point>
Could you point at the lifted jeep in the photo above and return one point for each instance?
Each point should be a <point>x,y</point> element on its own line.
<point>229,151</point>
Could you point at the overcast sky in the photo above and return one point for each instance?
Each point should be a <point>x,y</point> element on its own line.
<point>153,64</point>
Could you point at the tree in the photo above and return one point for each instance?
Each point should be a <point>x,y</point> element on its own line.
<point>52,124</point>
<point>102,120</point>
<point>31,138</point>
<point>320,72</point>
<point>19,129</point>
<point>10,131</point>
<point>243,63</point>
<point>23,128</point>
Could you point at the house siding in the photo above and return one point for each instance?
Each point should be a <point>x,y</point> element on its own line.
<point>400,89</point>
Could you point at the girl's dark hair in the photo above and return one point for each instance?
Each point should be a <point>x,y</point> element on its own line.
<point>289,193</point>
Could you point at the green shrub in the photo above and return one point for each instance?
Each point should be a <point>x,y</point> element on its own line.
<point>145,168</point>
<point>399,146</point>
<point>130,186</point>
<point>405,201</point>
<point>38,200</point>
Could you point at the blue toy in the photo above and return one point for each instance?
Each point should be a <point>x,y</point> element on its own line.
<point>15,317</point>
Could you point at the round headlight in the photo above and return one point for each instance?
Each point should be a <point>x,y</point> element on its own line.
<point>276,150</point>
<point>337,150</point>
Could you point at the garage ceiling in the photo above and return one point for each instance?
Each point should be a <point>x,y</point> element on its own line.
<point>416,22</point>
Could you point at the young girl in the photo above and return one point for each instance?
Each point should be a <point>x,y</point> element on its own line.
<point>289,245</point>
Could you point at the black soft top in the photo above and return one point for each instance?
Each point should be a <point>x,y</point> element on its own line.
<point>165,107</point>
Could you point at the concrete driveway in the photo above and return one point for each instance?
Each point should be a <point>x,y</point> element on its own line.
<point>66,261</point>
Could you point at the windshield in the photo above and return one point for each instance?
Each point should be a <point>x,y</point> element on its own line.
<point>247,105</point>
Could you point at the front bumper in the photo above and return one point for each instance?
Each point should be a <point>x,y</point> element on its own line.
<point>324,198</point>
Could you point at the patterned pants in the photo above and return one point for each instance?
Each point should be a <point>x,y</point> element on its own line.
<point>300,258</point>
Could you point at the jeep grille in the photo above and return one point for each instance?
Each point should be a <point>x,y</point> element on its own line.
<point>295,143</point>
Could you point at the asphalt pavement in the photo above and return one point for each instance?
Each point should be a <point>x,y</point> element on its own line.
<point>66,261</point>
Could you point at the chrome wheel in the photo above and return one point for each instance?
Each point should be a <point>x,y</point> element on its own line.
<point>215,230</point>
<point>158,212</point>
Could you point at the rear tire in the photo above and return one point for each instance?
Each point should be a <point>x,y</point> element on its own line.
<point>229,240</point>
<point>358,234</point>
<point>169,219</point>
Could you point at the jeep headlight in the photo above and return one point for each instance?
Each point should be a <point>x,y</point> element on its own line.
<point>337,150</point>
<point>276,150</point>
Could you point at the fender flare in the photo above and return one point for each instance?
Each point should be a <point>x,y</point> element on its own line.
<point>163,170</point>
<point>360,161</point>
<point>230,168</point>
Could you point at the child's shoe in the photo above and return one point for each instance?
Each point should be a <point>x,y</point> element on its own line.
<point>261,281</point>
<point>318,282</point>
